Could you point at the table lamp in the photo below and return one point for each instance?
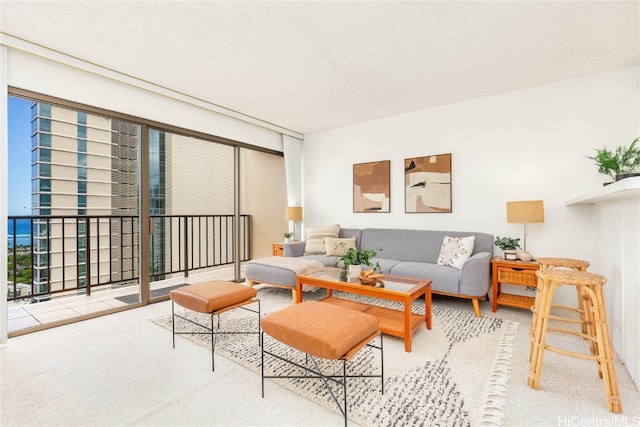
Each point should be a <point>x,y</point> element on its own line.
<point>525,212</point>
<point>294,214</point>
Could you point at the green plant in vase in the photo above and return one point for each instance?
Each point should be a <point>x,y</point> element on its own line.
<point>357,257</point>
<point>618,164</point>
<point>508,246</point>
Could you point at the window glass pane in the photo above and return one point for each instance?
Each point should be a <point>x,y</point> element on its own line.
<point>44,139</point>
<point>44,125</point>
<point>45,185</point>
<point>82,159</point>
<point>82,145</point>
<point>45,110</point>
<point>82,131</point>
<point>82,118</point>
<point>43,154</point>
<point>82,187</point>
<point>45,169</point>
<point>45,200</point>
<point>82,172</point>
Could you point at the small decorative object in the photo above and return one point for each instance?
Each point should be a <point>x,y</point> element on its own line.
<point>427,184</point>
<point>371,278</point>
<point>358,258</point>
<point>525,256</point>
<point>508,246</point>
<point>622,163</point>
<point>287,237</point>
<point>372,186</point>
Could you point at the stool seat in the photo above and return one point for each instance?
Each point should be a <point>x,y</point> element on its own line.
<point>340,330</point>
<point>322,330</point>
<point>582,278</point>
<point>211,296</point>
<point>574,264</point>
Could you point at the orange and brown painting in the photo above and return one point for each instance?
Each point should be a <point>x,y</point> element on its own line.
<point>427,183</point>
<point>371,186</point>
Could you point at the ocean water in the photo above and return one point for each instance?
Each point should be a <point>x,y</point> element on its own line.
<point>22,232</point>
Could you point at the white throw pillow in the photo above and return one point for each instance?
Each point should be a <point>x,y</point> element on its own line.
<point>338,247</point>
<point>315,238</point>
<point>455,251</point>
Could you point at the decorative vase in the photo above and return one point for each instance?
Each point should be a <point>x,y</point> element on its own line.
<point>287,239</point>
<point>525,256</point>
<point>353,271</point>
<point>510,255</point>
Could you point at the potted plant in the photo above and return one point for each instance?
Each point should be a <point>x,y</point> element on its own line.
<point>618,164</point>
<point>508,246</point>
<point>353,260</point>
<point>287,237</point>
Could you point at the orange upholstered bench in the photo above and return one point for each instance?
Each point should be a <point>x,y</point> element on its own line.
<point>324,331</point>
<point>212,298</point>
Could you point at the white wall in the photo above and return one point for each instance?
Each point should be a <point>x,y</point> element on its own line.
<point>521,145</point>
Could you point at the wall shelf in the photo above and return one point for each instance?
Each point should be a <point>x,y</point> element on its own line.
<point>628,187</point>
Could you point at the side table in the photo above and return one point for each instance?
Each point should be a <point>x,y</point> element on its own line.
<point>518,273</point>
<point>277,249</point>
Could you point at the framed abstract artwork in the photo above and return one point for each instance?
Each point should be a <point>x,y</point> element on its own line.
<point>371,186</point>
<point>427,184</point>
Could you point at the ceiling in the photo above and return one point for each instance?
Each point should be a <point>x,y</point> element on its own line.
<point>311,66</point>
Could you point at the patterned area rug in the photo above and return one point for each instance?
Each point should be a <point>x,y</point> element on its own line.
<point>455,375</point>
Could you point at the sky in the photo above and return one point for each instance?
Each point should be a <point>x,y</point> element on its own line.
<point>19,156</point>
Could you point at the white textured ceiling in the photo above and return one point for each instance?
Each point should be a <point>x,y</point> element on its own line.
<point>310,66</point>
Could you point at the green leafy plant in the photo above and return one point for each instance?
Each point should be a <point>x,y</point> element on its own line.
<point>624,160</point>
<point>358,257</point>
<point>507,243</point>
<point>288,235</point>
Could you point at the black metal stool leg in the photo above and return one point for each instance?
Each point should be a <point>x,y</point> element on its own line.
<point>173,324</point>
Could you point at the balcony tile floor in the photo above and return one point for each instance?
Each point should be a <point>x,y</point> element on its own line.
<point>25,316</point>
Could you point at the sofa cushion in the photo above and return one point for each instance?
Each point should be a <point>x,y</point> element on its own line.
<point>443,279</point>
<point>316,235</point>
<point>338,247</point>
<point>455,251</point>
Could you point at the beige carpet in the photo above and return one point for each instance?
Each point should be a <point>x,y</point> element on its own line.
<point>455,375</point>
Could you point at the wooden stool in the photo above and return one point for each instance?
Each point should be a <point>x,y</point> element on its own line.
<point>567,264</point>
<point>590,286</point>
<point>326,331</point>
<point>212,298</point>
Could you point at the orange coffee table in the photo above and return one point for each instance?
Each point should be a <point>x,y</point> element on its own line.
<point>402,289</point>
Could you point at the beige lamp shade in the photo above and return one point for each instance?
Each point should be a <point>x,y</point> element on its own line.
<point>294,213</point>
<point>525,212</point>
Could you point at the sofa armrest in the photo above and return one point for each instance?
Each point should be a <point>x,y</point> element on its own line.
<point>294,249</point>
<point>475,275</point>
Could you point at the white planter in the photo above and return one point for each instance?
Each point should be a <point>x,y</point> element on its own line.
<point>353,271</point>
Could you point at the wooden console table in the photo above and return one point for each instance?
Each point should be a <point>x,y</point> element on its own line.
<point>518,273</point>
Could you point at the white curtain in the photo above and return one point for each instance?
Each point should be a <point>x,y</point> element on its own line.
<point>293,174</point>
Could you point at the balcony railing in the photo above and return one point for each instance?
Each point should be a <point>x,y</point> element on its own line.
<point>55,254</point>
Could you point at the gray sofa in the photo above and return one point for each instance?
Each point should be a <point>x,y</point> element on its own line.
<point>414,253</point>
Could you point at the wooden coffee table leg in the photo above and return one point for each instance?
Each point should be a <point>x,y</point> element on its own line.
<point>407,326</point>
<point>427,308</point>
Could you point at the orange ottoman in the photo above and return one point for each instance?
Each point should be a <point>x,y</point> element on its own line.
<point>324,331</point>
<point>212,298</point>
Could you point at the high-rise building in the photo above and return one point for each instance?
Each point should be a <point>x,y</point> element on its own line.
<point>84,189</point>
